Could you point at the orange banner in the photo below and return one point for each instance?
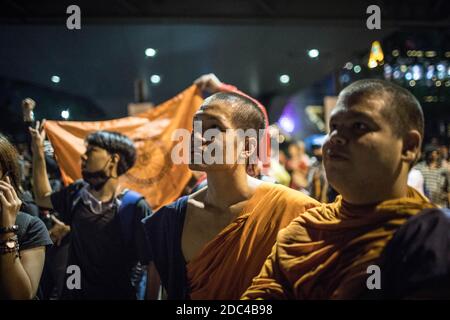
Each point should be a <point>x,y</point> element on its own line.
<point>154,175</point>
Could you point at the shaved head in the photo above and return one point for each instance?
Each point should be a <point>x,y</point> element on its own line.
<point>401,108</point>
<point>246,113</point>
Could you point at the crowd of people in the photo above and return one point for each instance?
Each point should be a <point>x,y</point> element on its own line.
<point>308,226</point>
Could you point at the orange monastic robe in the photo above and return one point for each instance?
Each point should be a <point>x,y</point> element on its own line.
<point>324,253</point>
<point>227,264</point>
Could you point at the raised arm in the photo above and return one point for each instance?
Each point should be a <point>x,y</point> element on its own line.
<point>41,184</point>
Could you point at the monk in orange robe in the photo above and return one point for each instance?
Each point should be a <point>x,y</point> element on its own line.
<point>375,137</point>
<point>211,244</point>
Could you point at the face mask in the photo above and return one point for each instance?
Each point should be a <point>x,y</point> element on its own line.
<point>96,179</point>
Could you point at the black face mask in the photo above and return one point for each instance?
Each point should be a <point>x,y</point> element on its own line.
<point>96,179</point>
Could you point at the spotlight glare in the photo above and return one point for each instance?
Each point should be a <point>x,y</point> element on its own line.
<point>287,124</point>
<point>65,114</point>
<point>56,79</point>
<point>150,52</point>
<point>313,53</point>
<point>284,79</point>
<point>155,79</point>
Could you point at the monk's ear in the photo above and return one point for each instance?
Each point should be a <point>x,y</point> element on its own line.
<point>115,158</point>
<point>412,142</point>
<point>251,145</point>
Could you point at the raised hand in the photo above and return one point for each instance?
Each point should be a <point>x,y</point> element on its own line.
<point>58,231</point>
<point>10,203</point>
<point>209,82</point>
<point>28,106</point>
<point>38,138</point>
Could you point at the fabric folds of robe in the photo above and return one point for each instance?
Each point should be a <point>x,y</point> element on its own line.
<point>325,253</point>
<point>226,266</point>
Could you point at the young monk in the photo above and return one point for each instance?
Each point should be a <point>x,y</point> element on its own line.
<point>375,137</point>
<point>211,244</point>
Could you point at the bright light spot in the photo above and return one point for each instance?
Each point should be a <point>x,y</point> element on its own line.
<point>357,69</point>
<point>56,79</point>
<point>395,53</point>
<point>430,72</point>
<point>412,83</point>
<point>387,71</point>
<point>348,66</point>
<point>403,68</point>
<point>372,64</point>
<point>287,124</point>
<point>408,76</point>
<point>285,79</point>
<point>438,83</point>
<point>376,55</point>
<point>155,79</point>
<point>150,52</point>
<point>440,67</point>
<point>313,53</point>
<point>65,114</point>
<point>417,72</point>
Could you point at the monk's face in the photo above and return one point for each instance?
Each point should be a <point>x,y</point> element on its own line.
<point>221,147</point>
<point>362,154</point>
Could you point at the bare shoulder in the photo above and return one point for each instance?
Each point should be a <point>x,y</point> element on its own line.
<point>196,200</point>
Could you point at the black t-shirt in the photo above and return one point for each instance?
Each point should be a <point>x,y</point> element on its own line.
<point>28,204</point>
<point>98,247</point>
<point>32,232</point>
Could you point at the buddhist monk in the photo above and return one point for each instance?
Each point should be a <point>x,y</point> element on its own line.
<point>375,137</point>
<point>211,244</point>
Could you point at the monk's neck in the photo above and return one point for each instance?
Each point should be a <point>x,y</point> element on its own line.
<point>107,192</point>
<point>226,188</point>
<point>367,198</point>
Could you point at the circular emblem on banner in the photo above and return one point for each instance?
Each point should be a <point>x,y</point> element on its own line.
<point>152,163</point>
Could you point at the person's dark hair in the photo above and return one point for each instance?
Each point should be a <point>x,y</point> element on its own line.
<point>115,142</point>
<point>402,109</point>
<point>429,149</point>
<point>9,163</point>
